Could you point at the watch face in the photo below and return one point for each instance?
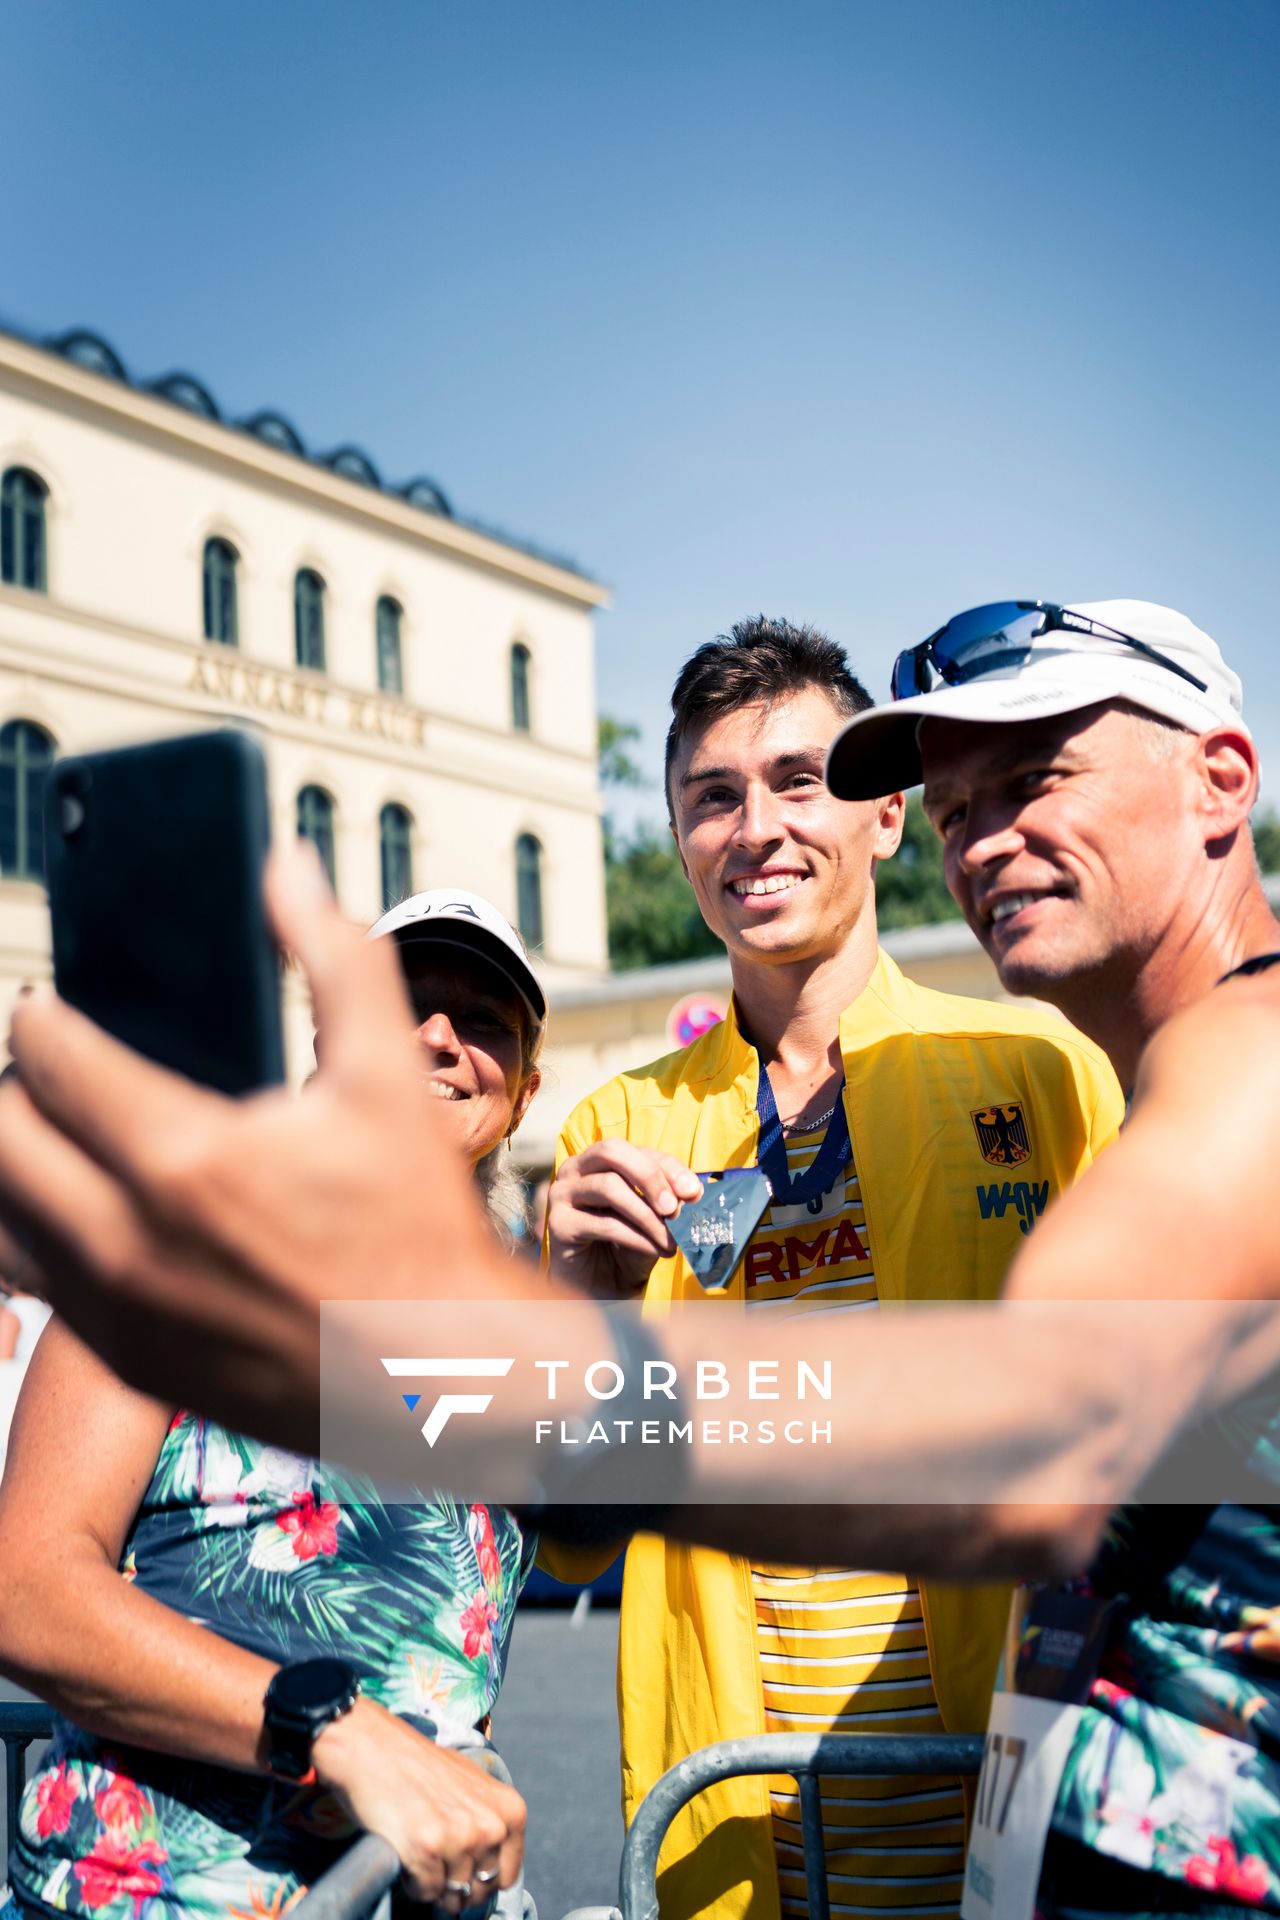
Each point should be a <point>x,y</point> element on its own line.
<point>309,1686</point>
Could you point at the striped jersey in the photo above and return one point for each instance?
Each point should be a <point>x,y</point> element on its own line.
<point>843,1651</point>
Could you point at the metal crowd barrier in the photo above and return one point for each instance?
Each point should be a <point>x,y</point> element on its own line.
<point>806,1757</point>
<point>360,1883</point>
<point>21,1722</point>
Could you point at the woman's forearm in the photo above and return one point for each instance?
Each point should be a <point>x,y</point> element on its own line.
<point>123,1665</point>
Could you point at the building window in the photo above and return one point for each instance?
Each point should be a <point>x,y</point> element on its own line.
<point>220,618</point>
<point>529,890</point>
<point>26,753</point>
<point>390,666</point>
<point>395,837</point>
<point>315,823</point>
<point>308,620</point>
<point>23,540</point>
<point>520,687</point>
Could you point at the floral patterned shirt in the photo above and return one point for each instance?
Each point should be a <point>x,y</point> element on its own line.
<point>292,1560</point>
<point>1170,1801</point>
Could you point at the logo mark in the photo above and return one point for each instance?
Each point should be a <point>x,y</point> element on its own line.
<point>1002,1135</point>
<point>407,1367</point>
<point>1027,1198</point>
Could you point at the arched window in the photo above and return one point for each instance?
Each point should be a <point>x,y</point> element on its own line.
<point>26,753</point>
<point>520,687</point>
<point>308,620</point>
<point>395,838</point>
<point>220,617</point>
<point>529,890</point>
<point>390,667</point>
<point>315,823</point>
<point>23,540</point>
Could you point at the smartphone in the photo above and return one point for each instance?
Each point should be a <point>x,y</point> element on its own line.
<point>154,858</point>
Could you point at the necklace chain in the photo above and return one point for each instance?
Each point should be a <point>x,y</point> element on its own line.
<point>808,1126</point>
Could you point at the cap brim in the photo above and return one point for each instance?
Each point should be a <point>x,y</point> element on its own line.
<point>478,939</point>
<point>878,751</point>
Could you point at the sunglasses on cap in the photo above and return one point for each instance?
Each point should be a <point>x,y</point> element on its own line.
<point>985,639</point>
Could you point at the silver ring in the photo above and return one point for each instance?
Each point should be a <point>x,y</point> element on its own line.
<point>485,1876</point>
<point>457,1886</point>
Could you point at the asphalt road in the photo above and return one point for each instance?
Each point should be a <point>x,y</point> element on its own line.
<point>556,1726</point>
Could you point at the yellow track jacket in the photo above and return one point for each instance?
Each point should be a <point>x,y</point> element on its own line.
<point>944,1223</point>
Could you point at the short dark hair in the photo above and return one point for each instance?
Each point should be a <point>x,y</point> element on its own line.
<point>758,660</point>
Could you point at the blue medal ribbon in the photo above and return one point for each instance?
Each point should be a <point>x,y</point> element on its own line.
<point>828,1163</point>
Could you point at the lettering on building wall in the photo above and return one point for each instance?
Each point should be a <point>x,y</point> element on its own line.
<point>266,689</point>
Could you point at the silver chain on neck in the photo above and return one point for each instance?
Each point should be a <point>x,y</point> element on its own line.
<point>808,1126</point>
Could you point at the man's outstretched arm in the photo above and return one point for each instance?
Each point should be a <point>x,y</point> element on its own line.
<point>192,1239</point>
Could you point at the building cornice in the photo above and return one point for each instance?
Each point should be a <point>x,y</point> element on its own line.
<point>45,606</point>
<point>46,375</point>
<point>448,751</point>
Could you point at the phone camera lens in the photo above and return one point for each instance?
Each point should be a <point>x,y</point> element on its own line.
<point>73,793</point>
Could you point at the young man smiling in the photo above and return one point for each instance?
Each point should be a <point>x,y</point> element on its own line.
<point>898,1109</point>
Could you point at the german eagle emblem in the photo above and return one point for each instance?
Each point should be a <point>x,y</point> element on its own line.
<point>1002,1135</point>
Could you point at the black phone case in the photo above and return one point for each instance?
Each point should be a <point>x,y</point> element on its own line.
<point>154,858</point>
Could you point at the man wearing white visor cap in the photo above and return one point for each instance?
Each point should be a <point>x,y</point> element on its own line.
<point>1090,774</point>
<point>1015,659</point>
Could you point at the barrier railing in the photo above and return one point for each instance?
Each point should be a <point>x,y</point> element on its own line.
<point>360,1882</point>
<point>21,1722</point>
<point>806,1758</point>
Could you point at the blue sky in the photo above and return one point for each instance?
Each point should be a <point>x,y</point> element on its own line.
<point>855,312</point>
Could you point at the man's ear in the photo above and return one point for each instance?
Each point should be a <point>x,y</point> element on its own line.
<point>1227,769</point>
<point>891,815</point>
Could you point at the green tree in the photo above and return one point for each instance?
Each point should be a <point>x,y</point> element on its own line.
<point>1266,839</point>
<point>910,889</point>
<point>652,914</point>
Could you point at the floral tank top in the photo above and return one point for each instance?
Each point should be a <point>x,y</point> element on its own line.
<point>292,1560</point>
<point>1170,1801</point>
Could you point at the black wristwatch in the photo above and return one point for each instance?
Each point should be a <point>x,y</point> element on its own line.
<point>300,1702</point>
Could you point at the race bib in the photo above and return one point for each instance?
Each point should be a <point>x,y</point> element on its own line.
<point>1056,1641</point>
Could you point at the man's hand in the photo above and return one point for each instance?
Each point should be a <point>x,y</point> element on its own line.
<point>190,1238</point>
<point>607,1215</point>
<point>443,1814</point>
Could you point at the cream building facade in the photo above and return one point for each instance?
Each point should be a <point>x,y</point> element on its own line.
<point>424,689</point>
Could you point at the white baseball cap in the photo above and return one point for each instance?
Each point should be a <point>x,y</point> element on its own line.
<point>451,916</point>
<point>1041,659</point>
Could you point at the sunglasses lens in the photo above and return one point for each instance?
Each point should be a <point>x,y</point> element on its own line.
<point>975,642</point>
<point>911,674</point>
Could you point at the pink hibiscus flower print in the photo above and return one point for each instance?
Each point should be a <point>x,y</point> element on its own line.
<point>314,1528</point>
<point>56,1795</point>
<point>114,1868</point>
<point>1106,1693</point>
<point>1239,1879</point>
<point>122,1806</point>
<point>477,1622</point>
<point>480,1533</point>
